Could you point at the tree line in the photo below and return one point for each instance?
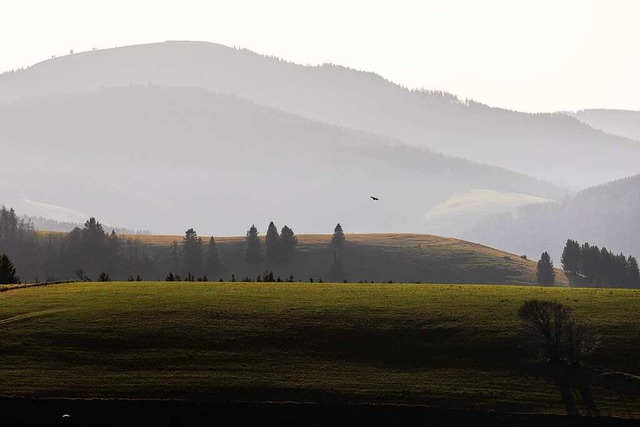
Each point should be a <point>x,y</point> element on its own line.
<point>600,266</point>
<point>91,253</point>
<point>83,253</point>
<point>199,262</point>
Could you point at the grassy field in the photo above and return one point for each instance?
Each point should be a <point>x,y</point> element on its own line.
<point>378,257</point>
<point>448,345</point>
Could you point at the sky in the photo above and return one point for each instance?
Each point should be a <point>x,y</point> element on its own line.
<point>528,55</point>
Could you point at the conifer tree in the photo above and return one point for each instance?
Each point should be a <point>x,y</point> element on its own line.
<point>254,247</point>
<point>192,252</point>
<point>272,242</point>
<point>212,259</point>
<point>338,237</point>
<point>633,275</point>
<point>8,274</point>
<point>571,256</point>
<point>589,261</point>
<point>288,243</point>
<point>545,272</point>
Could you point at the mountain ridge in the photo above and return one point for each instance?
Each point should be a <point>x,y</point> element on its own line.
<point>624,123</point>
<point>155,150</point>
<point>352,99</point>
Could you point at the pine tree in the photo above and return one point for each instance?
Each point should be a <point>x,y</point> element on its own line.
<point>618,270</point>
<point>93,247</point>
<point>571,257</point>
<point>9,228</point>
<point>288,243</point>
<point>212,259</point>
<point>94,237</point>
<point>589,261</point>
<point>8,274</point>
<point>272,241</point>
<point>192,252</point>
<point>545,273</point>
<point>338,237</point>
<point>605,267</point>
<point>254,247</point>
<point>633,275</point>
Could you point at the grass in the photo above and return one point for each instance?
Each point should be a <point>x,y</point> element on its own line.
<point>448,345</point>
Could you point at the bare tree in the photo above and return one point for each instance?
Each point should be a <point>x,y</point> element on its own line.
<point>551,330</point>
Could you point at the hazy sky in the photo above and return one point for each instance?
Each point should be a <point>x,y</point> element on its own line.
<point>538,55</point>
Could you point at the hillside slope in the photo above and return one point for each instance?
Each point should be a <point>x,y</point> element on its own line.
<point>615,122</point>
<point>169,159</point>
<point>349,98</point>
<point>606,215</point>
<point>374,257</point>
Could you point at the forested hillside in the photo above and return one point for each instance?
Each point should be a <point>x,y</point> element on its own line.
<point>615,122</point>
<point>606,215</point>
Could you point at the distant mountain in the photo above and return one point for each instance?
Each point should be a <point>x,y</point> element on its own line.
<point>615,122</point>
<point>173,158</point>
<point>606,215</point>
<point>552,147</point>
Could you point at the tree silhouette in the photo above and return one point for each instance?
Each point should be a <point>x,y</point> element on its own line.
<point>551,330</point>
<point>192,251</point>
<point>338,237</point>
<point>590,262</point>
<point>254,247</point>
<point>633,275</point>
<point>9,229</point>
<point>212,258</point>
<point>545,273</point>
<point>272,242</point>
<point>8,274</point>
<point>288,243</point>
<point>571,257</point>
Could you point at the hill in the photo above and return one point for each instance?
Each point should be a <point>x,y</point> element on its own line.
<point>373,257</point>
<point>171,158</point>
<point>615,122</point>
<point>605,215</point>
<point>439,345</point>
<point>348,98</point>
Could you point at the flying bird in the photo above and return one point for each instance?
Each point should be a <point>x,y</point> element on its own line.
<point>374,198</point>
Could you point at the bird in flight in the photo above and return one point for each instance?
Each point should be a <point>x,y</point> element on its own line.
<point>374,198</point>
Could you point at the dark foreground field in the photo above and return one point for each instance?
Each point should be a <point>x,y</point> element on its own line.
<point>445,346</point>
<point>173,413</point>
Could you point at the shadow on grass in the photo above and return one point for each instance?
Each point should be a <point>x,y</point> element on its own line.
<point>574,384</point>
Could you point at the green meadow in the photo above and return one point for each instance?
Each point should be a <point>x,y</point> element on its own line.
<point>454,346</point>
